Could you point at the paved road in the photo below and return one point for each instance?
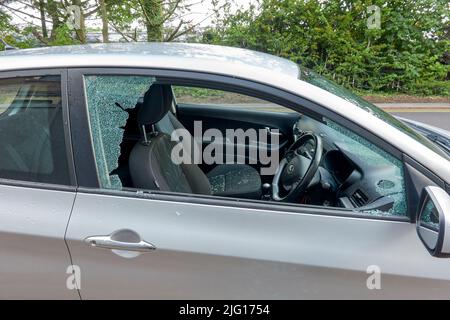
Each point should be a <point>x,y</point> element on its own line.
<point>435,114</point>
<point>437,119</point>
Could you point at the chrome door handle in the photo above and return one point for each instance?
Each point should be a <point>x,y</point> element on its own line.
<point>107,243</point>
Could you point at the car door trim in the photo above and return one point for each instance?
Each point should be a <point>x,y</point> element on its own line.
<point>83,149</point>
<point>288,208</point>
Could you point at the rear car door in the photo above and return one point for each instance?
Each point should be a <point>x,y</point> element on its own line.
<point>163,245</point>
<point>36,186</point>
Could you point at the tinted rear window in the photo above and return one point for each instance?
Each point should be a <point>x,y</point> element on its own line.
<point>32,144</point>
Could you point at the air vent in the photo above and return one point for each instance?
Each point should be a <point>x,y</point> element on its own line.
<point>359,199</point>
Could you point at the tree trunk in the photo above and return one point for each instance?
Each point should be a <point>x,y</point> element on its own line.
<point>81,32</point>
<point>43,23</point>
<point>52,10</point>
<point>105,21</point>
<point>153,15</point>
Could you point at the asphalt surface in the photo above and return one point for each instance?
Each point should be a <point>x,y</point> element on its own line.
<point>437,119</point>
<point>435,114</point>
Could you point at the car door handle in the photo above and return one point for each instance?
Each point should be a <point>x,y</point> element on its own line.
<point>272,132</point>
<point>107,242</point>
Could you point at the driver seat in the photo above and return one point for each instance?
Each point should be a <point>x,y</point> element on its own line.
<point>151,166</point>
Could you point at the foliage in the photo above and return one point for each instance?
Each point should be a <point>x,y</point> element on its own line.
<point>63,36</point>
<point>4,21</point>
<point>4,26</point>
<point>332,37</point>
<point>160,20</point>
<point>408,54</point>
<point>196,92</point>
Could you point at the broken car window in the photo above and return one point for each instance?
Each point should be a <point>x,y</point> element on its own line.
<point>110,100</point>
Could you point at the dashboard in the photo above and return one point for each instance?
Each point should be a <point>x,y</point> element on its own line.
<point>351,174</point>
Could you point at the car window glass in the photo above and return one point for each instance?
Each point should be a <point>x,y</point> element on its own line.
<point>388,175</point>
<point>8,92</point>
<point>323,83</point>
<point>32,144</point>
<point>430,216</point>
<point>370,176</point>
<point>110,100</point>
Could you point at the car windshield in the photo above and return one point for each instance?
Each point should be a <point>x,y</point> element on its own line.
<point>323,83</point>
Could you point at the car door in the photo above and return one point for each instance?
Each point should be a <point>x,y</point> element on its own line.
<point>161,245</point>
<point>36,186</point>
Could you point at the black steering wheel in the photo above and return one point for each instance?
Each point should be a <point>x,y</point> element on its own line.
<point>297,169</point>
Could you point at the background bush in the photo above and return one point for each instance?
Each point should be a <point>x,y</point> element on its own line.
<point>407,54</point>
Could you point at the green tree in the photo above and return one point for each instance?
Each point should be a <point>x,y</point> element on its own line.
<point>332,37</point>
<point>152,11</point>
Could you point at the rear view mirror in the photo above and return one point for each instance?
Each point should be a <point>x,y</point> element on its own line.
<point>433,221</point>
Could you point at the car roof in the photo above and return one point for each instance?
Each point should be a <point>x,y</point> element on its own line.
<point>146,54</point>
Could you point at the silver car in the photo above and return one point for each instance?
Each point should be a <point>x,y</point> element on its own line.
<point>185,171</point>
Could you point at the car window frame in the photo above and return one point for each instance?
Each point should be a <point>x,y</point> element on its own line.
<point>89,181</point>
<point>62,73</point>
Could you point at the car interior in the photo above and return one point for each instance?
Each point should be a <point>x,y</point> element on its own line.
<point>321,163</point>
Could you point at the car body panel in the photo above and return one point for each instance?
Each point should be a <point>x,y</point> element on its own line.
<point>143,53</point>
<point>33,255</point>
<point>206,251</point>
<point>438,135</point>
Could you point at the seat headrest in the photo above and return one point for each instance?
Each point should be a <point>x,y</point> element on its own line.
<point>157,102</point>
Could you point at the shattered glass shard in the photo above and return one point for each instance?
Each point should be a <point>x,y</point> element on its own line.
<point>107,119</point>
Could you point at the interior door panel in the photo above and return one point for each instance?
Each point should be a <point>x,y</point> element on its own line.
<point>222,118</point>
<point>232,117</point>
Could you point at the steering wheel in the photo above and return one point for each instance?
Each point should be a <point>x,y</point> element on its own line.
<point>297,169</point>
